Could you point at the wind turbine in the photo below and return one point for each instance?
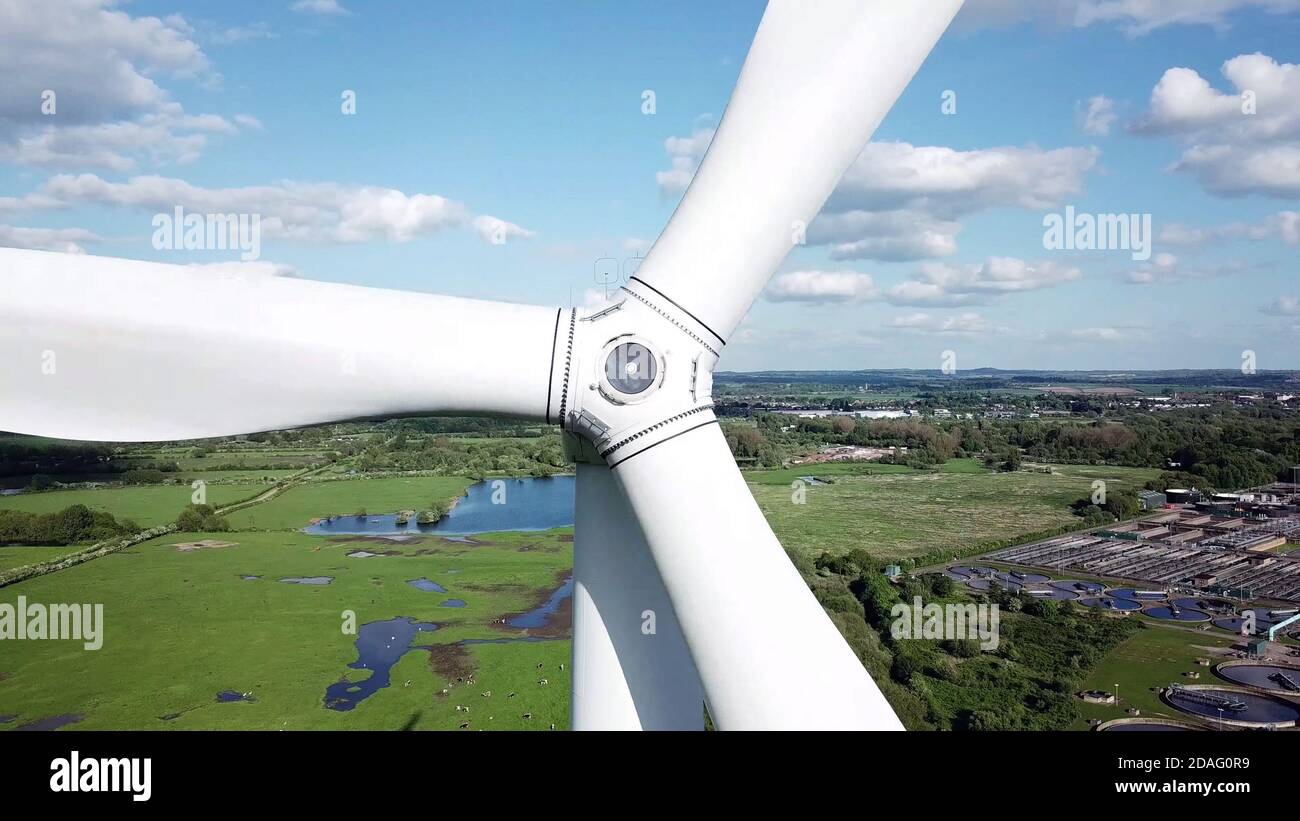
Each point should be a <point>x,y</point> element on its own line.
<point>683,594</point>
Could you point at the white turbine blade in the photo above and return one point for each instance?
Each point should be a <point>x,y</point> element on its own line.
<point>766,652</point>
<point>819,78</point>
<point>121,350</point>
<point>631,667</point>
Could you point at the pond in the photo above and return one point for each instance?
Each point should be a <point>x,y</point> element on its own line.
<point>541,615</point>
<point>379,645</point>
<point>490,506</point>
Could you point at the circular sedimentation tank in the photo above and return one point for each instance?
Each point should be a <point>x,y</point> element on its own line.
<point>1145,725</point>
<point>1212,606</point>
<point>984,585</point>
<point>1237,622</point>
<point>1114,605</point>
<point>1022,578</point>
<point>1176,614</point>
<point>1134,594</point>
<point>1277,678</point>
<point>1234,707</point>
<point>1050,592</point>
<point>1081,588</point>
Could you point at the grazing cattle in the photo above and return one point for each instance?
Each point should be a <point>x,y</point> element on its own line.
<point>542,681</point>
<point>465,726</point>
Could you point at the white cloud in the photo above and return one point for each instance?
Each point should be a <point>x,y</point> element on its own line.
<point>1101,334</point>
<point>1097,115</point>
<point>1283,306</point>
<point>884,235</point>
<point>943,284</point>
<point>902,202</point>
<point>1283,225</point>
<point>948,182</point>
<point>1138,17</point>
<point>821,287</point>
<point>685,154</point>
<point>498,231</point>
<point>1239,143</point>
<point>966,324</point>
<point>81,86</point>
<point>1134,17</point>
<point>68,240</point>
<point>307,212</point>
<point>242,34</point>
<point>1165,269</point>
<point>325,8</point>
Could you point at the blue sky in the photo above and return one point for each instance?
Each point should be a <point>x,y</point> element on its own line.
<point>528,117</point>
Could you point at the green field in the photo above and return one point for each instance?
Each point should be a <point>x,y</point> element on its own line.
<point>18,555</point>
<point>1153,658</point>
<point>182,626</point>
<point>297,506</point>
<point>896,512</point>
<point>147,505</point>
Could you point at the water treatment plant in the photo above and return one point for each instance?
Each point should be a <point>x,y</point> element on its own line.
<point>1221,574</point>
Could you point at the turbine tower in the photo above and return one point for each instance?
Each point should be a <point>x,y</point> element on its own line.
<point>667,533</point>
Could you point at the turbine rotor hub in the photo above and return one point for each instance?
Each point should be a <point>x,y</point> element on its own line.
<point>630,375</point>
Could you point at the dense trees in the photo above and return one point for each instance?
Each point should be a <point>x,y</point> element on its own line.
<point>201,519</point>
<point>76,524</point>
<point>1219,447</point>
<point>1045,650</point>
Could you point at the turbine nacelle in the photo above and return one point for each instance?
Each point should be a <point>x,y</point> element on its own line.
<point>632,374</point>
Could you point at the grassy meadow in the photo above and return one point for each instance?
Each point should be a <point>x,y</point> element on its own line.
<point>182,626</point>
<point>147,505</point>
<point>896,512</point>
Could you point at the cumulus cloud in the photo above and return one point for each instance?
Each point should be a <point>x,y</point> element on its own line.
<point>901,202</point>
<point>822,287</point>
<point>1099,334</point>
<point>1138,17</point>
<point>1283,225</point>
<point>966,324</point>
<point>1238,143</point>
<point>948,182</point>
<point>936,284</point>
<point>1097,115</point>
<point>1134,17</point>
<point>1165,269</point>
<point>81,86</point>
<point>890,236</point>
<point>307,212</point>
<point>685,154</point>
<point>498,231</point>
<point>67,240</point>
<point>324,8</point>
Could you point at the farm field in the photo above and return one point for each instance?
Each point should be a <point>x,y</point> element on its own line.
<point>297,506</point>
<point>147,505</point>
<point>18,555</point>
<point>182,626</point>
<point>896,514</point>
